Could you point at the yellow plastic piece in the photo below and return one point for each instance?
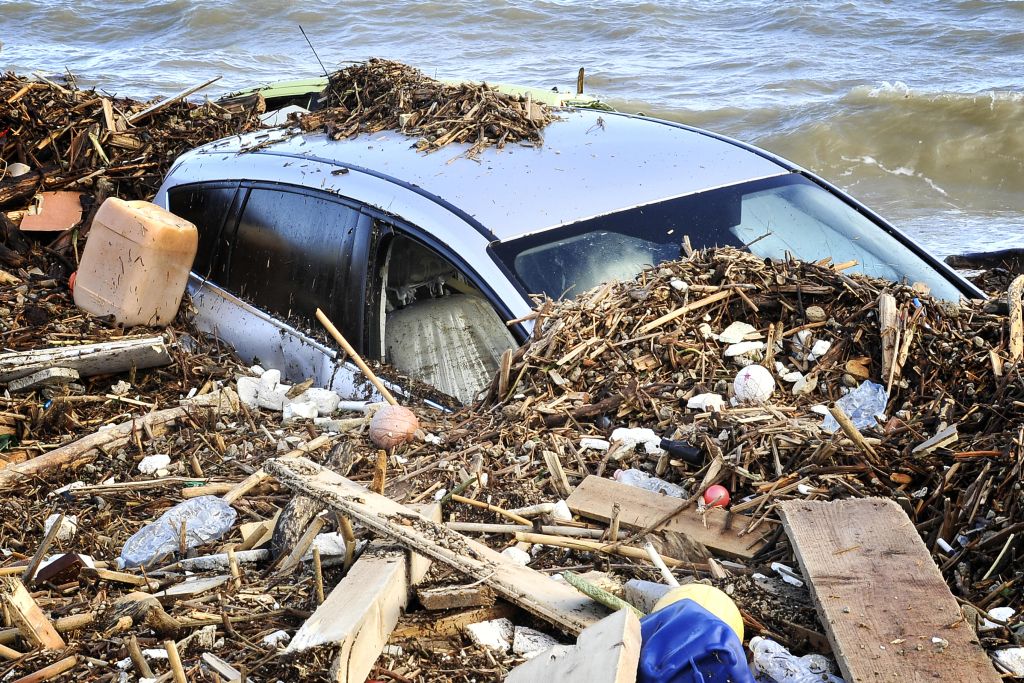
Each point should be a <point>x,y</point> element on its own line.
<point>711,599</point>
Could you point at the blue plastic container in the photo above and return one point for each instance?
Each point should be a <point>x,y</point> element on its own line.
<point>685,643</point>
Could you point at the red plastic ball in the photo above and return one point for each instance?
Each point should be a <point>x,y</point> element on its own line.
<point>716,496</point>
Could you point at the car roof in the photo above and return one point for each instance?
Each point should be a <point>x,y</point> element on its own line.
<point>589,164</point>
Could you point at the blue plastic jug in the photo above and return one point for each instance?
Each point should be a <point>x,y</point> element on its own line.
<point>685,643</point>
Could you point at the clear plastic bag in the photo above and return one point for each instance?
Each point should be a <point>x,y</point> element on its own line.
<point>642,480</point>
<point>206,519</point>
<point>861,405</point>
<point>773,663</point>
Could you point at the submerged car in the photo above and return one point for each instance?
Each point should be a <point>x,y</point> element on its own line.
<point>428,261</point>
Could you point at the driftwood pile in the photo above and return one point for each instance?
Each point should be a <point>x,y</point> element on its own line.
<point>384,95</point>
<point>83,139</point>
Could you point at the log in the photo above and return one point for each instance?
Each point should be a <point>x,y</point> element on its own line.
<point>607,652</point>
<point>88,359</point>
<point>86,448</point>
<point>556,603</point>
<point>886,608</point>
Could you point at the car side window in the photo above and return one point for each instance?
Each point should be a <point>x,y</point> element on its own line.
<point>437,327</point>
<point>291,254</point>
<point>207,206</point>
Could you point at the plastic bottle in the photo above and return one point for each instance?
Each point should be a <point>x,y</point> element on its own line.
<point>780,665</point>
<point>206,519</point>
<point>135,263</point>
<point>642,480</point>
<point>685,643</point>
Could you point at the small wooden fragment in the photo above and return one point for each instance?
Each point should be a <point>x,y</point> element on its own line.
<point>607,652</point>
<point>227,672</point>
<point>30,620</point>
<point>318,576</point>
<point>380,472</point>
<point>138,659</point>
<point>558,479</point>
<point>888,314</point>
<point>879,594</point>
<point>944,438</point>
<point>640,508</point>
<point>44,546</point>
<point>174,659</point>
<point>1014,296</point>
<point>851,431</point>
<point>455,597</point>
<point>260,475</point>
<point>43,378</point>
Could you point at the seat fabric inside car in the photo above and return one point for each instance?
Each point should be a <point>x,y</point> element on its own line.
<point>453,343</point>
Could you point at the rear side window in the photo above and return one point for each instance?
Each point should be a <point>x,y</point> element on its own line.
<point>207,207</point>
<point>288,250</point>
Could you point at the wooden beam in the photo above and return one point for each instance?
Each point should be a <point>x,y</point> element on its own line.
<point>639,508</point>
<point>554,602</point>
<point>35,628</point>
<point>607,652</point>
<point>455,597</point>
<point>88,359</point>
<point>364,608</point>
<point>886,609</point>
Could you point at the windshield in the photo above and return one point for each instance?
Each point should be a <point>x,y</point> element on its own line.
<point>770,217</point>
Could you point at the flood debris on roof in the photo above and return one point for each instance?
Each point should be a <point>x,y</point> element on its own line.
<point>385,95</point>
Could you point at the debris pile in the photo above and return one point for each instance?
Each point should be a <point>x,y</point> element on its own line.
<point>67,138</point>
<point>384,95</point>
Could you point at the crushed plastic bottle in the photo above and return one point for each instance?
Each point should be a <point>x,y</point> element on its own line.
<point>773,663</point>
<point>206,519</point>
<point>642,480</point>
<point>861,405</point>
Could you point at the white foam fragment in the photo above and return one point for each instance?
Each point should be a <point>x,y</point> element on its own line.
<point>325,400</point>
<point>277,638</point>
<point>520,557</point>
<point>528,642</point>
<point>743,348</point>
<point>496,634</point>
<point>154,463</point>
<point>68,526</point>
<point>561,511</point>
<point>630,437</point>
<point>1011,659</point>
<point>1003,614</point>
<point>706,402</point>
<point>592,444</point>
<point>738,332</point>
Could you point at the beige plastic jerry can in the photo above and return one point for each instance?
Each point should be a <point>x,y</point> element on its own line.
<point>135,263</point>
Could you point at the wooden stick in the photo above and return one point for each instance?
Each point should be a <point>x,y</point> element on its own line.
<point>135,652</point>
<point>44,546</point>
<point>853,433</point>
<point>351,352</point>
<point>887,316</point>
<point>259,476</point>
<point>48,673</point>
<point>175,661</point>
<point>236,573</point>
<point>700,303</point>
<point>163,104</point>
<point>613,530</point>
<point>306,540</point>
<point>10,653</point>
<point>656,560</point>
<point>380,472</point>
<point>349,534</point>
<point>318,576</point>
<point>493,508</point>
<point>1013,298</point>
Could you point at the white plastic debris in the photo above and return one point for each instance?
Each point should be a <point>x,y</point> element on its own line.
<point>528,642</point>
<point>154,653</point>
<point>1003,614</point>
<point>257,370</point>
<point>496,634</point>
<point>787,574</point>
<point>516,555</point>
<point>592,444</point>
<point>705,402</point>
<point>120,388</point>
<point>1011,659</point>
<point>296,410</point>
<point>432,439</point>
<point>277,639</point>
<point>678,285</point>
<point>819,349</point>
<point>537,510</point>
<point>743,348</point>
<point>67,488</point>
<point>152,464</point>
<point>820,409</point>
<point>753,384</point>
<point>265,392</point>
<point>738,332</point>
<point>561,511</point>
<point>68,527</point>
<point>630,437</point>
<point>325,400</point>
<point>794,376</point>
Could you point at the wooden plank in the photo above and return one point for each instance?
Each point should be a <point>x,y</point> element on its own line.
<point>880,596</point>
<point>30,620</point>
<point>607,652</point>
<point>1014,296</point>
<point>88,359</point>
<point>364,608</point>
<point>535,592</point>
<point>640,508</point>
<point>558,479</point>
<point>888,314</point>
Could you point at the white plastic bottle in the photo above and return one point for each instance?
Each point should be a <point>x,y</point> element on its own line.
<point>642,480</point>
<point>777,663</point>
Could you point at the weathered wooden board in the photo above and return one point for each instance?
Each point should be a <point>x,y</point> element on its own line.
<point>639,509</point>
<point>607,652</point>
<point>555,602</point>
<point>880,596</point>
<point>35,628</point>
<point>88,359</point>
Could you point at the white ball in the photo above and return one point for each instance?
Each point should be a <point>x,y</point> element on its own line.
<point>753,384</point>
